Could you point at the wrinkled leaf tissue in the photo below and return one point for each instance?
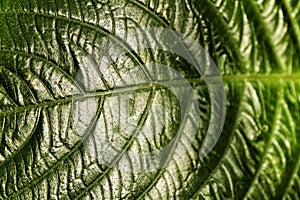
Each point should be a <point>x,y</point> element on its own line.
<point>87,113</point>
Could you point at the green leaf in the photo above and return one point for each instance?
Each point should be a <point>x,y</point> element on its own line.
<point>46,154</point>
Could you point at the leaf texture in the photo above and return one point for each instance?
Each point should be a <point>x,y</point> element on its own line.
<point>43,151</point>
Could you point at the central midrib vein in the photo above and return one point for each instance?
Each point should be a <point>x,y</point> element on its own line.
<point>161,84</point>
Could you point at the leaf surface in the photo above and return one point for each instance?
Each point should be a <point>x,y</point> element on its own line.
<point>44,45</point>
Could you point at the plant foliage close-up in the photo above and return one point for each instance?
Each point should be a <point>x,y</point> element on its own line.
<point>77,118</point>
